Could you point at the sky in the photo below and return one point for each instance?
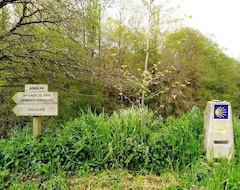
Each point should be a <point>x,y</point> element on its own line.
<point>220,18</point>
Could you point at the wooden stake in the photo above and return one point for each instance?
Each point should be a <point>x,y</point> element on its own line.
<point>36,127</point>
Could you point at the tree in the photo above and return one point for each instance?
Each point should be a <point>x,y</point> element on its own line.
<point>203,65</point>
<point>138,53</point>
<point>36,47</point>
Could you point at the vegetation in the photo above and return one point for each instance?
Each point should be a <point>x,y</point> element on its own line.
<point>117,61</point>
<point>94,57</point>
<point>114,151</point>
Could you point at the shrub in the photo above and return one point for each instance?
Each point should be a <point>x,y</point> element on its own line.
<point>94,142</point>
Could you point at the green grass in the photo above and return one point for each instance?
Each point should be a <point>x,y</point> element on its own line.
<point>117,152</point>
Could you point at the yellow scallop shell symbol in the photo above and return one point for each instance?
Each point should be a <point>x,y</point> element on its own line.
<point>221,112</point>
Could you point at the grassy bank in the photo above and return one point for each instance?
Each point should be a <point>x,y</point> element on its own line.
<point>117,152</point>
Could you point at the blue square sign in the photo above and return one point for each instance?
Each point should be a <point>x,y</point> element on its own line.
<point>220,111</point>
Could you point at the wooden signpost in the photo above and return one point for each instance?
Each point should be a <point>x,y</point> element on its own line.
<point>36,101</point>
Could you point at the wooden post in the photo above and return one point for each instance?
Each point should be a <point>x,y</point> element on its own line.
<point>36,127</point>
<point>36,101</point>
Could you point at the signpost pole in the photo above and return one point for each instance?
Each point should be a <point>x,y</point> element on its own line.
<point>36,101</point>
<point>37,127</point>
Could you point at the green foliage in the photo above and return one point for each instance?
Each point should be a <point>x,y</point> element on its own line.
<point>76,49</point>
<point>5,179</point>
<point>56,182</point>
<point>94,142</point>
<point>199,60</point>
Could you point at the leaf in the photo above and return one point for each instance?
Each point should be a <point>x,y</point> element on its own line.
<point>129,158</point>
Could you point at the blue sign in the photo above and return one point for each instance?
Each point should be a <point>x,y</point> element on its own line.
<point>220,111</point>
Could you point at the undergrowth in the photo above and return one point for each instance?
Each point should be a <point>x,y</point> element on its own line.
<point>92,144</point>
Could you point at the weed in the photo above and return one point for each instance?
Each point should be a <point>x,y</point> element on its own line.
<point>5,179</point>
<point>95,143</point>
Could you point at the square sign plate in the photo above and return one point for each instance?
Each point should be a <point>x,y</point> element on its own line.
<point>220,111</point>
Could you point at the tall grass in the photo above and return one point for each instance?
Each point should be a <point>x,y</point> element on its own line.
<point>96,142</point>
<point>93,143</point>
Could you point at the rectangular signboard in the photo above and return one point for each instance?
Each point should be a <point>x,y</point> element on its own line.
<point>220,111</point>
<point>36,109</point>
<point>35,97</point>
<point>36,87</point>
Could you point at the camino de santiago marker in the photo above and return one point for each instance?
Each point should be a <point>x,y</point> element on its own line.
<point>218,139</point>
<point>36,101</point>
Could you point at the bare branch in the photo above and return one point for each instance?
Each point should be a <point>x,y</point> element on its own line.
<point>6,2</point>
<point>24,16</point>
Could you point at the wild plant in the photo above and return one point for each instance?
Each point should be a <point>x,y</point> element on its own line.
<point>95,142</point>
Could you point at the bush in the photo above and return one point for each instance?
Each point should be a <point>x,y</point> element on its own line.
<point>95,142</point>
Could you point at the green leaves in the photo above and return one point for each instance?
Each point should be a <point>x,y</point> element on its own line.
<point>94,142</point>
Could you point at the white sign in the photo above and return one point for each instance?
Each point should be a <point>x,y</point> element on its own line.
<point>36,109</point>
<point>36,87</point>
<point>35,97</point>
<point>36,101</point>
